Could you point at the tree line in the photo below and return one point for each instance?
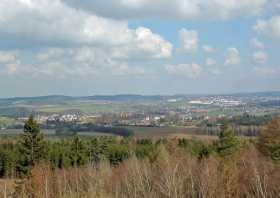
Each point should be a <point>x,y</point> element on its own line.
<point>31,147</point>
<point>17,157</point>
<point>229,166</point>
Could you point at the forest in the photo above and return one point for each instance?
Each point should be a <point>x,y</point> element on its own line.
<point>110,166</point>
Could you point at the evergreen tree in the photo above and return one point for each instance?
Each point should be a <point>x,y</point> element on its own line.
<point>8,159</point>
<point>78,152</point>
<point>32,145</point>
<point>94,151</point>
<point>227,142</point>
<point>59,153</point>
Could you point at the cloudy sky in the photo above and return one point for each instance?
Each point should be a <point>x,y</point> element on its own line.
<point>88,47</point>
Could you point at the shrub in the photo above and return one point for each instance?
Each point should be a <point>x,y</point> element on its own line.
<point>228,142</point>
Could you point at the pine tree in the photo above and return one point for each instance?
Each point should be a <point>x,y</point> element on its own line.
<point>227,142</point>
<point>32,145</point>
<point>78,152</point>
<point>94,151</point>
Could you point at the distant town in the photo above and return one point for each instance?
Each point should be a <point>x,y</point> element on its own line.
<point>53,112</point>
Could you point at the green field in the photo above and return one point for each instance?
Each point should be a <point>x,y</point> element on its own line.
<point>84,106</point>
<point>5,121</point>
<point>158,132</point>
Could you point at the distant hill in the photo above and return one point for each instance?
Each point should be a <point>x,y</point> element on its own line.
<point>120,97</point>
<point>15,111</point>
<point>23,106</point>
<point>268,93</point>
<point>37,100</point>
<point>126,97</point>
<point>56,99</point>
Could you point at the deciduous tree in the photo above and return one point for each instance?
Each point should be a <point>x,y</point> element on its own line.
<point>269,139</point>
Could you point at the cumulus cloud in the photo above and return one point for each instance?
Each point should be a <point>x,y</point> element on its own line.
<point>270,27</point>
<point>58,24</point>
<point>176,9</point>
<point>256,43</point>
<point>188,40</point>
<point>147,44</point>
<point>69,41</point>
<point>79,62</point>
<point>260,57</point>
<point>232,57</point>
<point>208,48</point>
<point>192,70</point>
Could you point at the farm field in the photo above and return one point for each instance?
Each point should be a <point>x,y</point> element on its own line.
<point>139,133</point>
<point>18,131</point>
<point>86,107</point>
<point>161,132</point>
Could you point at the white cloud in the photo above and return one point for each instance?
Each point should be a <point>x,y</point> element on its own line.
<point>270,27</point>
<point>72,42</point>
<point>9,59</point>
<point>56,22</point>
<point>153,43</point>
<point>232,8</point>
<point>67,62</point>
<point>189,70</point>
<point>232,57</point>
<point>124,69</point>
<point>51,53</point>
<point>188,40</point>
<point>210,62</point>
<point>175,9</point>
<point>146,45</point>
<point>260,57</point>
<point>208,49</point>
<point>52,23</point>
<point>256,43</point>
<point>7,56</point>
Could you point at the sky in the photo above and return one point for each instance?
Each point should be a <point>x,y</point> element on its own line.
<point>89,47</point>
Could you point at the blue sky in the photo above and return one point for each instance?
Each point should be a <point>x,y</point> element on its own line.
<point>91,47</point>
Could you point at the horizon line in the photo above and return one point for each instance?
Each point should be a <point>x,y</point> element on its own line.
<point>136,94</point>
